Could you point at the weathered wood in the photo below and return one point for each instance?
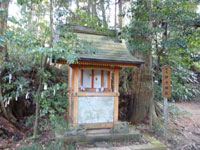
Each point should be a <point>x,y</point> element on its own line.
<point>101,63</point>
<point>97,94</point>
<point>166,81</point>
<point>75,100</point>
<point>92,78</point>
<point>102,78</point>
<point>116,109</point>
<point>82,66</point>
<point>166,118</point>
<point>94,90</point>
<point>109,80</point>
<point>75,110</point>
<point>81,76</point>
<point>76,76</point>
<point>72,90</point>
<point>116,80</point>
<point>99,125</point>
<point>69,94</point>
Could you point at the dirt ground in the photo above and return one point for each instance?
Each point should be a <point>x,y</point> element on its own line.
<point>185,126</point>
<point>183,129</point>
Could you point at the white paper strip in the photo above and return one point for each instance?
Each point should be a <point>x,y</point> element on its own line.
<point>54,92</point>
<point>27,95</point>
<point>10,78</point>
<point>45,87</point>
<point>17,94</point>
<point>21,86</point>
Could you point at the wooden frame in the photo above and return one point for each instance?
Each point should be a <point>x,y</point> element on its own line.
<point>76,92</point>
<point>116,89</point>
<point>97,94</point>
<point>99,125</point>
<point>108,89</point>
<point>99,63</point>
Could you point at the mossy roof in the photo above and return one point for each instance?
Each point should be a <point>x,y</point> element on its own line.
<point>109,49</point>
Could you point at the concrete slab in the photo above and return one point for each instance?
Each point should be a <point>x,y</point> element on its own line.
<point>98,131</point>
<point>96,136</point>
<point>120,148</point>
<point>95,149</point>
<point>153,145</point>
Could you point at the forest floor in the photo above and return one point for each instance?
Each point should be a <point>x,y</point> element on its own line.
<point>183,129</point>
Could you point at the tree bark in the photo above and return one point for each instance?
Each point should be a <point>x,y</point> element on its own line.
<point>115,14</point>
<point>140,103</point>
<point>77,4</point>
<point>120,13</point>
<point>3,53</point>
<point>102,2</point>
<point>37,110</point>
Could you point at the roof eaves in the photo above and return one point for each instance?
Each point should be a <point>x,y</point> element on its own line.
<point>113,61</point>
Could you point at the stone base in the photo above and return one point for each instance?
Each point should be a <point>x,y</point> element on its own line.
<point>97,135</point>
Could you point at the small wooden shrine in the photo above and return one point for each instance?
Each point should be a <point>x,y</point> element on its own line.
<point>94,81</point>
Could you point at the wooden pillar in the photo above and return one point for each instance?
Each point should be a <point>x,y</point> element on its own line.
<point>69,94</point>
<point>109,81</point>
<point>75,93</point>
<point>116,90</point>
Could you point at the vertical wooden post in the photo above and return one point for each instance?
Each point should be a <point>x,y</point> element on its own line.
<point>109,80</point>
<point>82,77</point>
<point>116,90</point>
<point>75,103</point>
<point>102,78</point>
<point>116,80</point>
<point>92,79</point>
<point>69,94</point>
<point>166,118</point>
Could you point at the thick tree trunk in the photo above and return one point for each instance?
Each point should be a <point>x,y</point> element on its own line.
<point>142,92</point>
<point>4,57</point>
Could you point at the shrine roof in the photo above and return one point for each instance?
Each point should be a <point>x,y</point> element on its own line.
<point>108,50</point>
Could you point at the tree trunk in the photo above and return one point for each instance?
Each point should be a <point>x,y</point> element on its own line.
<point>120,13</point>
<point>102,2</point>
<point>37,110</point>
<point>142,92</point>
<point>89,7</point>
<point>4,55</point>
<point>43,68</point>
<point>115,14</point>
<point>77,4</point>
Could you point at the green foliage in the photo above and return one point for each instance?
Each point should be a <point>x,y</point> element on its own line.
<point>58,124</point>
<point>60,145</point>
<point>166,28</point>
<point>54,100</point>
<point>54,145</point>
<point>29,121</point>
<point>34,146</point>
<point>82,18</point>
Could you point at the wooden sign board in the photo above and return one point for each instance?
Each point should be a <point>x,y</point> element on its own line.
<point>166,82</point>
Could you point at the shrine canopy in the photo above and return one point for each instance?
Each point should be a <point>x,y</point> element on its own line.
<point>110,51</point>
